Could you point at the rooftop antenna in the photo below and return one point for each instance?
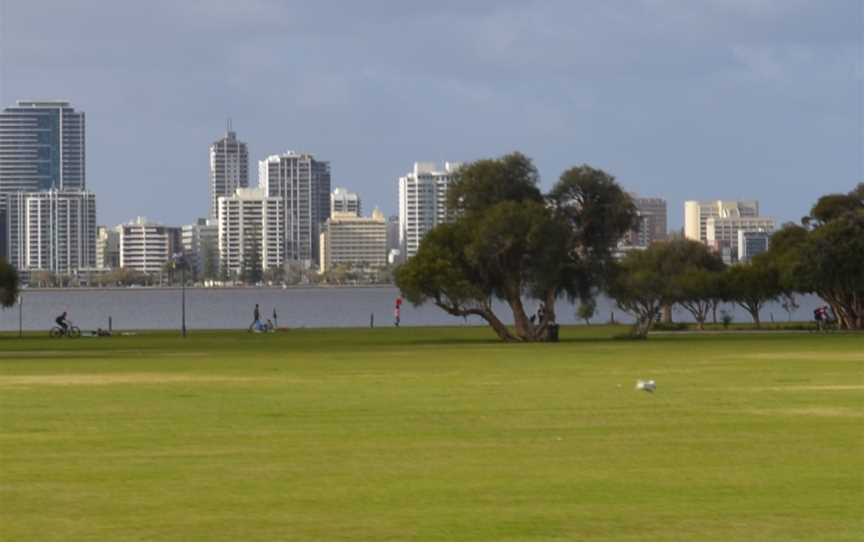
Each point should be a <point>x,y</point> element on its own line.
<point>228,124</point>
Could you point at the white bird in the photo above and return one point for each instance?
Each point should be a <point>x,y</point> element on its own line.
<point>646,385</point>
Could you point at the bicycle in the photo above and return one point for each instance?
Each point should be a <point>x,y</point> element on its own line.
<point>56,332</point>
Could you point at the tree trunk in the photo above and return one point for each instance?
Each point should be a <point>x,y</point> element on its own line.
<point>525,330</point>
<point>754,312</point>
<point>667,314</point>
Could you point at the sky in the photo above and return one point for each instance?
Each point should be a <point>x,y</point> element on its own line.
<point>680,99</point>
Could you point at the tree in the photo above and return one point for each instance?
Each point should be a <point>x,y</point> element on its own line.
<point>825,256</point>
<point>209,259</point>
<point>251,271</point>
<point>9,284</point>
<point>587,309</point>
<point>695,274</point>
<point>640,285</point>
<point>508,242</point>
<point>752,285</point>
<point>789,303</point>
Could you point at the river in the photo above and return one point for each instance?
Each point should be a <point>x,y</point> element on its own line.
<point>231,308</point>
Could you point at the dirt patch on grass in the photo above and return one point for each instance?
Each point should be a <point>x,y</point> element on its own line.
<point>824,412</point>
<point>120,378</point>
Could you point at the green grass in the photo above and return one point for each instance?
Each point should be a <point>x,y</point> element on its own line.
<point>431,434</point>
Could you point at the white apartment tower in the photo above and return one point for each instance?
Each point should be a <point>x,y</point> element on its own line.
<point>146,246</point>
<point>343,201</point>
<point>303,184</point>
<point>51,231</point>
<point>250,222</point>
<point>422,203</point>
<point>348,239</point>
<point>229,168</point>
<point>697,213</point>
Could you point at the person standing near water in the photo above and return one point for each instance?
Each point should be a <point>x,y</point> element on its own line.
<point>256,318</point>
<point>275,319</point>
<point>397,311</point>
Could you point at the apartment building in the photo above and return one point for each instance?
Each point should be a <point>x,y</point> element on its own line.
<point>422,203</point>
<point>251,226</point>
<point>354,241</point>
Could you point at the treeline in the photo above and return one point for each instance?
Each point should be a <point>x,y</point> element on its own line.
<point>508,241</point>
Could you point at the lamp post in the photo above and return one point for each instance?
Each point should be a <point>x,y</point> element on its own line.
<point>176,260</point>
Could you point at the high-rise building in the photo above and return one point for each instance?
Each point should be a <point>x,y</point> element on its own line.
<point>697,213</point>
<point>251,225</point>
<point>229,168</point>
<point>303,184</point>
<point>651,225</point>
<point>51,231</point>
<point>343,201</point>
<point>146,246</point>
<point>752,243</point>
<point>348,239</point>
<point>723,232</point>
<point>201,247</point>
<point>422,203</point>
<point>42,147</point>
<point>107,248</point>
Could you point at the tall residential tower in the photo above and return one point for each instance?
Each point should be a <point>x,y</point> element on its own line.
<point>303,183</point>
<point>422,203</point>
<point>229,168</point>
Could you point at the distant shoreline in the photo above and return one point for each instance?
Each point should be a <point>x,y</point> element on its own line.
<point>213,288</point>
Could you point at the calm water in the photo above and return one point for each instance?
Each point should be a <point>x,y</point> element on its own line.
<point>145,308</point>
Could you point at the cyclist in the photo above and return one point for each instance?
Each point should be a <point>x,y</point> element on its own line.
<point>61,321</point>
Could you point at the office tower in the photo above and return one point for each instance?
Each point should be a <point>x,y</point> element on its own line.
<point>229,168</point>
<point>651,225</point>
<point>722,232</point>
<point>251,226</point>
<point>51,231</point>
<point>146,246</point>
<point>422,203</point>
<point>752,243</point>
<point>107,248</point>
<point>343,201</point>
<point>354,241</point>
<point>200,243</point>
<point>303,183</point>
<point>697,213</point>
<point>42,147</point>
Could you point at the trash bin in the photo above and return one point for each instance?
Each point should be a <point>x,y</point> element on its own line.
<point>552,333</point>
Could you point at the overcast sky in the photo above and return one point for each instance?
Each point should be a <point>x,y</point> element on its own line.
<point>683,99</point>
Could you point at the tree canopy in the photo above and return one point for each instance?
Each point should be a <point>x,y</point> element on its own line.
<point>9,284</point>
<point>506,241</point>
<point>825,255</point>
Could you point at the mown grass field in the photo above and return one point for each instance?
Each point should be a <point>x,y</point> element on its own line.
<point>431,434</point>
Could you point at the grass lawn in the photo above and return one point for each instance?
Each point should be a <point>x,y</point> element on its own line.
<point>431,434</point>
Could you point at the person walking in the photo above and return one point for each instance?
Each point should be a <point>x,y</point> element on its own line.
<point>275,319</point>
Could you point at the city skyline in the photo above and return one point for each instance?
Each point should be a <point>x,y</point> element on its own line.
<point>761,97</point>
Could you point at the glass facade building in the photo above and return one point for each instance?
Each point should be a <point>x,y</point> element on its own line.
<point>42,147</point>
